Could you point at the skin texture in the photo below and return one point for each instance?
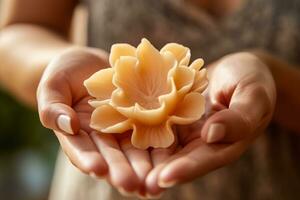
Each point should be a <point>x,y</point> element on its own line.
<point>243,102</point>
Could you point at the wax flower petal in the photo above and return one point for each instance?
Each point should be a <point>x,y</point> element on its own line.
<point>200,82</point>
<point>99,85</point>
<point>189,110</point>
<point>184,78</point>
<point>120,99</point>
<point>159,136</point>
<point>153,69</point>
<point>107,120</point>
<point>118,50</point>
<point>197,64</point>
<point>147,91</point>
<point>96,103</point>
<point>181,52</point>
<point>127,78</point>
<point>139,113</point>
<point>145,116</point>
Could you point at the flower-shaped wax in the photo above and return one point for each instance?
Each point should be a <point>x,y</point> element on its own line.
<point>147,91</point>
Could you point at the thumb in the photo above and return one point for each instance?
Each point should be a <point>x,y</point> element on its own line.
<point>249,110</point>
<point>54,106</point>
<point>225,126</point>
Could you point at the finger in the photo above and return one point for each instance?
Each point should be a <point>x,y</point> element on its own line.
<point>249,110</point>
<point>84,110</point>
<point>83,153</point>
<point>197,159</point>
<point>84,119</point>
<point>159,156</point>
<point>121,174</point>
<point>151,183</point>
<point>54,106</point>
<point>139,160</point>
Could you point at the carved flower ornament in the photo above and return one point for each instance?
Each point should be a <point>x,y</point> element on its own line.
<point>147,91</point>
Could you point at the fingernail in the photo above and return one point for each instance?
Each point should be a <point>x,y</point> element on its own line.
<point>64,123</point>
<point>166,184</point>
<point>216,132</point>
<point>157,196</point>
<point>125,193</point>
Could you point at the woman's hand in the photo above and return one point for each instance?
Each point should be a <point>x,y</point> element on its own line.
<point>240,102</point>
<point>63,107</point>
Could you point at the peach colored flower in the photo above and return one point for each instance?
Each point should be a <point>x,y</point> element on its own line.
<point>148,91</point>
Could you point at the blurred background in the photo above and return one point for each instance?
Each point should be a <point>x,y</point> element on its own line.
<point>27,150</point>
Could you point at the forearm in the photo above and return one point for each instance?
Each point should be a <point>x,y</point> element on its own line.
<point>25,50</point>
<point>287,79</point>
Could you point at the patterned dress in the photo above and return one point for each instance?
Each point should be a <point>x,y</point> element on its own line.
<point>270,169</point>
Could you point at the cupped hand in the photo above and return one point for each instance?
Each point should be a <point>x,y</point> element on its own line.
<point>63,107</point>
<point>240,102</point>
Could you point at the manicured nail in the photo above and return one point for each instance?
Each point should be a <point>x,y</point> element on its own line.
<point>125,193</point>
<point>64,123</point>
<point>166,184</point>
<point>157,196</point>
<point>216,132</point>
